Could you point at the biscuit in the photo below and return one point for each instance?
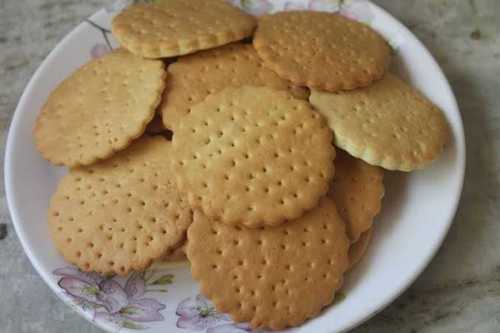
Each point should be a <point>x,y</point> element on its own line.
<point>120,214</point>
<point>321,50</point>
<point>358,249</point>
<point>99,109</point>
<point>272,277</point>
<point>254,161</point>
<point>357,189</point>
<point>192,78</point>
<point>388,124</point>
<point>170,28</point>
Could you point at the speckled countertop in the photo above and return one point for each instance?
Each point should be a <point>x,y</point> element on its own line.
<point>458,292</point>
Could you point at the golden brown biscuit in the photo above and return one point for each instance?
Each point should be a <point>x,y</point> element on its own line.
<point>273,277</point>
<point>321,50</point>
<point>120,214</point>
<point>260,158</point>
<point>169,28</point>
<point>192,78</point>
<point>99,109</point>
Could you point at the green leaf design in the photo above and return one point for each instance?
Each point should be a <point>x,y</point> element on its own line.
<point>149,290</point>
<point>165,279</point>
<point>133,326</point>
<point>246,3</point>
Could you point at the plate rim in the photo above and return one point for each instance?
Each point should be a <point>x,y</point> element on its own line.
<point>354,322</point>
<point>8,169</point>
<point>461,165</point>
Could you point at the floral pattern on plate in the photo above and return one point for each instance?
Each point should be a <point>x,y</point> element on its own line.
<point>355,9</point>
<point>199,314</point>
<point>122,303</point>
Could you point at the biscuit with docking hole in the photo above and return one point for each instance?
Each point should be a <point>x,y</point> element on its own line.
<point>169,28</point>
<point>388,124</point>
<point>120,214</point>
<point>321,50</point>
<point>254,161</point>
<point>192,78</point>
<point>99,109</point>
<point>272,277</point>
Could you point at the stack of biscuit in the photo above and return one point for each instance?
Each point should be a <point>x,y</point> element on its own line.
<point>262,160</point>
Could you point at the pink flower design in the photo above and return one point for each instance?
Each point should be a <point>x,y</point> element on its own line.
<point>135,286</point>
<point>119,306</point>
<point>199,314</point>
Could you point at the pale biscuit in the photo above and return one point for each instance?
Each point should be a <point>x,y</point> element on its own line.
<point>357,189</point>
<point>273,277</point>
<point>321,50</point>
<point>262,157</point>
<point>120,214</point>
<point>192,78</point>
<point>99,109</point>
<point>358,249</point>
<point>388,124</point>
<point>171,28</point>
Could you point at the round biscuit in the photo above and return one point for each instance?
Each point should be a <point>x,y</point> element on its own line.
<point>321,50</point>
<point>192,78</point>
<point>99,109</point>
<point>388,124</point>
<point>357,189</point>
<point>120,214</point>
<point>260,157</point>
<point>169,28</point>
<point>272,277</point>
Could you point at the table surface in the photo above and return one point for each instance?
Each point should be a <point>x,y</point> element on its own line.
<point>458,292</point>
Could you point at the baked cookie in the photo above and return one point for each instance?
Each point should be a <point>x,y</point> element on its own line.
<point>321,50</point>
<point>261,157</point>
<point>99,109</point>
<point>388,124</point>
<point>169,28</point>
<point>272,277</point>
<point>192,78</point>
<point>120,214</point>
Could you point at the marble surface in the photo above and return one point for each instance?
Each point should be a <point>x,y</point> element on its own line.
<point>458,292</point>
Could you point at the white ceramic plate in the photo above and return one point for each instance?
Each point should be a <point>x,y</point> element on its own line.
<point>417,212</point>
